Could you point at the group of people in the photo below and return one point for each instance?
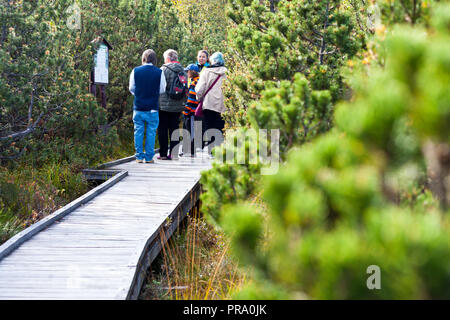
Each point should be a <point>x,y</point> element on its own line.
<point>159,101</point>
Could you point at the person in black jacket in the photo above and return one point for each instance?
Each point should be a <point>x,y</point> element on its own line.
<point>170,109</point>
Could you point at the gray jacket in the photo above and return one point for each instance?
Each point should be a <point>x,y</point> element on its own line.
<point>165,102</point>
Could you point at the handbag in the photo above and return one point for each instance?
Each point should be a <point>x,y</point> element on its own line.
<point>199,109</point>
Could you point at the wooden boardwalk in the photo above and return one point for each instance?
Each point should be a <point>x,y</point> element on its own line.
<point>99,246</point>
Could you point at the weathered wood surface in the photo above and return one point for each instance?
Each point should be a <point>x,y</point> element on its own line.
<point>101,248</point>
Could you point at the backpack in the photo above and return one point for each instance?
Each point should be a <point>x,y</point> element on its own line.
<point>177,90</point>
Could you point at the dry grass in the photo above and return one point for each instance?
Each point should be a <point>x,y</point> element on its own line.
<point>195,264</point>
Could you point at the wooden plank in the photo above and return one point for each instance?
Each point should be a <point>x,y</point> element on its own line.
<point>85,260</point>
<point>47,245</point>
<point>84,234</point>
<point>111,218</point>
<point>56,297</point>
<point>104,266</point>
<point>148,190</point>
<point>135,206</point>
<point>23,236</point>
<point>89,293</point>
<point>64,286</point>
<point>149,250</point>
<point>75,255</point>
<point>91,286</point>
<point>110,240</point>
<point>113,202</point>
<point>99,174</point>
<point>117,215</point>
<point>100,215</point>
<point>69,272</point>
<point>65,225</point>
<point>101,266</point>
<point>115,163</point>
<point>42,275</point>
<point>107,210</point>
<point>63,271</point>
<point>83,252</point>
<point>73,247</point>
<point>115,221</point>
<point>76,234</point>
<point>154,209</point>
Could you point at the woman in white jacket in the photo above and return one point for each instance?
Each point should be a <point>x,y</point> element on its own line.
<point>213,101</point>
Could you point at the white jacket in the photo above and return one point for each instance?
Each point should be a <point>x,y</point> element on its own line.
<point>214,100</point>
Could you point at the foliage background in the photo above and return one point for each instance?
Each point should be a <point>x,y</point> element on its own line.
<point>50,126</point>
<point>374,189</point>
<point>358,90</point>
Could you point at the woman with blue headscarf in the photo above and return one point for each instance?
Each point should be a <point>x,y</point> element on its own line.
<point>209,89</point>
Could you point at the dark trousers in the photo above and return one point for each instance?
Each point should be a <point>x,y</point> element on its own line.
<point>213,120</point>
<point>168,123</point>
<point>192,125</point>
<point>189,123</point>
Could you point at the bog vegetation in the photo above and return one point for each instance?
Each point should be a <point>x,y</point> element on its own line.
<point>50,126</point>
<point>359,92</point>
<point>357,89</point>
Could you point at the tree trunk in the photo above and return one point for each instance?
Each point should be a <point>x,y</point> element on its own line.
<point>272,5</point>
<point>437,157</point>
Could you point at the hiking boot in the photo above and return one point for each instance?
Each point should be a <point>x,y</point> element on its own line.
<point>149,161</point>
<point>139,161</point>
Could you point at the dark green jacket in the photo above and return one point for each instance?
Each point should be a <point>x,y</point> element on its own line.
<point>165,102</point>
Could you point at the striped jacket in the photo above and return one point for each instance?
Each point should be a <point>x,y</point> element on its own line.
<point>192,102</point>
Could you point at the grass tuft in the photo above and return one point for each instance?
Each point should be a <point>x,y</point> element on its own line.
<point>195,264</point>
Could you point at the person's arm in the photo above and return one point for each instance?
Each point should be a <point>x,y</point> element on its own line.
<point>162,87</point>
<point>132,86</point>
<point>201,86</point>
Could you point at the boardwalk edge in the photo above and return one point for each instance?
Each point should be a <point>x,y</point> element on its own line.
<point>13,243</point>
<point>144,256</point>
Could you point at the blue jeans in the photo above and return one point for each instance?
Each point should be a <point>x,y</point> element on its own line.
<point>145,120</point>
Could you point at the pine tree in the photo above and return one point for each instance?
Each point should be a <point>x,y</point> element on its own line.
<point>46,64</point>
<point>406,11</point>
<point>355,197</point>
<point>51,127</point>
<point>45,110</point>
<point>315,38</point>
<point>285,75</point>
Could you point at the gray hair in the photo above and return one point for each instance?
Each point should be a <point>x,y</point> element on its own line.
<point>171,54</point>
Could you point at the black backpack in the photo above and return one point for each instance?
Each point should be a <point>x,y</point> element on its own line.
<point>177,90</point>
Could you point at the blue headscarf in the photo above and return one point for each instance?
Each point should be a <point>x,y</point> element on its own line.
<point>217,59</point>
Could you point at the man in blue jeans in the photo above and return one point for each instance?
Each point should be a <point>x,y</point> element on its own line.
<point>147,82</point>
